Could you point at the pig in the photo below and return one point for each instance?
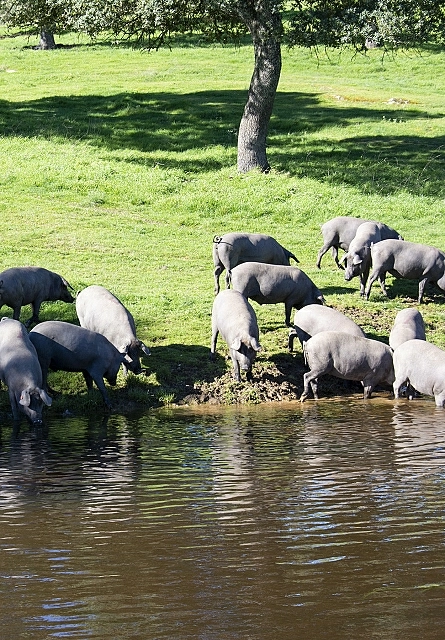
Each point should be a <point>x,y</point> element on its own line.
<point>234,248</point>
<point>339,232</point>
<point>420,365</point>
<point>99,310</point>
<point>358,257</point>
<point>62,346</point>
<point>20,286</point>
<point>234,318</point>
<point>270,284</point>
<point>408,325</point>
<point>347,357</point>
<point>409,260</point>
<point>20,371</point>
<point>313,319</point>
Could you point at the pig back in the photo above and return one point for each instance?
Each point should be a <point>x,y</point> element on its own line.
<point>408,325</point>
<point>101,311</point>
<point>233,316</point>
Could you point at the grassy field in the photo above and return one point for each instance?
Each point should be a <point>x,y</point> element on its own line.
<point>118,166</point>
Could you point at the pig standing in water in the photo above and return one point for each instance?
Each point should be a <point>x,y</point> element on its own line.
<point>62,346</point>
<point>99,310</point>
<point>20,286</point>
<point>422,365</point>
<point>347,357</point>
<point>234,318</point>
<point>20,371</point>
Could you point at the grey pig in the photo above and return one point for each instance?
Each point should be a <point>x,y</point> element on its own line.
<point>234,248</point>
<point>271,284</point>
<point>62,346</point>
<point>20,371</point>
<point>347,357</point>
<point>408,325</point>
<point>313,319</point>
<point>99,310</point>
<point>20,286</point>
<point>409,260</point>
<point>421,365</point>
<point>358,257</point>
<point>339,232</point>
<point>234,318</point>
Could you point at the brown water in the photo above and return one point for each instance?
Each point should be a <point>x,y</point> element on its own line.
<point>325,520</point>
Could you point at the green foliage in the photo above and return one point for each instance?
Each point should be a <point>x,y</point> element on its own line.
<point>310,23</point>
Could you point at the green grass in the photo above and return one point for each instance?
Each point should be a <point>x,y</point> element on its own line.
<point>118,166</point>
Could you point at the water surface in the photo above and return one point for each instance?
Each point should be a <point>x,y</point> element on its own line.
<point>322,520</point>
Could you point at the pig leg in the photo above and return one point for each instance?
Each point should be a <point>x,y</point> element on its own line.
<point>309,379</point>
<point>422,285</point>
<point>16,312</point>
<point>440,400</point>
<point>368,386</point>
<point>399,382</point>
<point>218,271</point>
<point>236,370</point>
<point>100,385</point>
<point>213,344</point>
<point>288,312</point>
<point>382,284</point>
<point>14,405</point>
<point>35,312</point>
<point>324,249</point>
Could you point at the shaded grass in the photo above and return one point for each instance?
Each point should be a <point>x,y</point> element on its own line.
<point>117,167</point>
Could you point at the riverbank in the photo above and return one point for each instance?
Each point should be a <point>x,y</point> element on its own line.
<point>118,168</point>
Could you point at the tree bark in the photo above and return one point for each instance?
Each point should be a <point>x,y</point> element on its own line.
<point>46,40</point>
<point>265,27</point>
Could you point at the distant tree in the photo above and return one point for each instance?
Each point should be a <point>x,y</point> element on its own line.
<point>388,24</point>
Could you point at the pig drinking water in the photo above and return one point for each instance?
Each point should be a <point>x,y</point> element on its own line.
<point>67,347</point>
<point>20,371</point>
<point>99,310</point>
<point>421,365</point>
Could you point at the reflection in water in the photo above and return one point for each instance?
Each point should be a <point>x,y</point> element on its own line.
<point>321,521</point>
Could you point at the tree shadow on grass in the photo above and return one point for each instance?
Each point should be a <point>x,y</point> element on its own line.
<point>168,126</point>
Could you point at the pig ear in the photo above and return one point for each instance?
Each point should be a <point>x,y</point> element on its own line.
<point>255,344</point>
<point>45,397</point>
<point>24,398</point>
<point>236,344</point>
<point>343,258</point>
<point>144,348</point>
<point>357,260</point>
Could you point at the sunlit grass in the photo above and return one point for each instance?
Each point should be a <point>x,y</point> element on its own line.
<point>118,166</point>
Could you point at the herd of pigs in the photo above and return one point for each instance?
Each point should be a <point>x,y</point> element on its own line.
<point>257,268</point>
<point>104,341</point>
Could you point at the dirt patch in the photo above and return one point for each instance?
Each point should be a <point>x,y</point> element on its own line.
<point>276,380</point>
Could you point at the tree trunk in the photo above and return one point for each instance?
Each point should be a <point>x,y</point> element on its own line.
<point>266,32</point>
<point>46,40</point>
